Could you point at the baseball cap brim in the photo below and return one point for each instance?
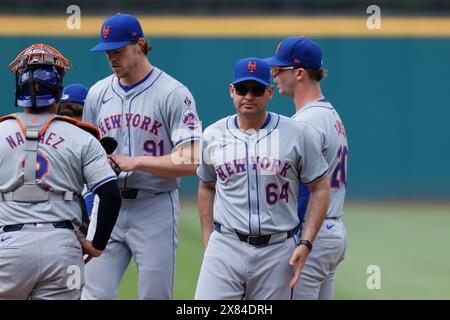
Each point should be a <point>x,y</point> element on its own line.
<point>252,78</point>
<point>72,100</point>
<point>106,46</point>
<point>274,61</point>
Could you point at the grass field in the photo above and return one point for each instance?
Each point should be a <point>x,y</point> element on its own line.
<point>408,242</point>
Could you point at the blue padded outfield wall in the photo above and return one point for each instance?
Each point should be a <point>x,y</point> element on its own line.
<point>392,94</point>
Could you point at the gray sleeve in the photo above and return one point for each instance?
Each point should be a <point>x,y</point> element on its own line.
<point>96,169</point>
<point>313,165</point>
<point>205,170</point>
<point>88,109</point>
<point>318,136</point>
<point>182,114</point>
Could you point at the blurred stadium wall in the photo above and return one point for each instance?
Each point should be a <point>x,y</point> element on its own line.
<point>390,85</point>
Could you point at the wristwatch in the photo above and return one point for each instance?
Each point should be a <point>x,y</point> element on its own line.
<point>306,243</point>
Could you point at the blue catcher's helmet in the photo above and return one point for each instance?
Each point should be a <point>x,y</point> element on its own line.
<point>42,81</point>
<point>39,71</point>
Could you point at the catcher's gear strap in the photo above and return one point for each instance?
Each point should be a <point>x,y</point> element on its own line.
<point>82,125</point>
<point>33,128</point>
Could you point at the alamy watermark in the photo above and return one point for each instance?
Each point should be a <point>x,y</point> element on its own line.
<point>74,279</point>
<point>374,280</point>
<point>374,20</point>
<point>74,19</point>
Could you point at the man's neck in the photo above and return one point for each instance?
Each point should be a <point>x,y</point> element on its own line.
<point>140,72</point>
<point>306,95</point>
<point>46,110</point>
<point>254,122</point>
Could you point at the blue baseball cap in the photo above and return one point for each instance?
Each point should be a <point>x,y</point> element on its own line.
<point>252,69</point>
<point>75,93</point>
<point>297,52</point>
<point>117,31</point>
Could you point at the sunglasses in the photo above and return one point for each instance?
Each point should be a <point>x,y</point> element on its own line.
<point>257,90</point>
<point>277,70</point>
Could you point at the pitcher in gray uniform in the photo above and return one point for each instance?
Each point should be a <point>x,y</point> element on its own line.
<point>297,69</point>
<point>46,161</point>
<point>250,170</point>
<point>153,118</point>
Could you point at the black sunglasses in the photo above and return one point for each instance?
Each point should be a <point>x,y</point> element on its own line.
<point>257,90</point>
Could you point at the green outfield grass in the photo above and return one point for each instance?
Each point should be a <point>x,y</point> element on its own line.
<point>409,243</point>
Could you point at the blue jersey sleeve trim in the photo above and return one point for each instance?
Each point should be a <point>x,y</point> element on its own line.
<point>318,178</point>
<point>102,182</point>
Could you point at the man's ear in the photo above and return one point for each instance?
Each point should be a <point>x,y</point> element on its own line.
<point>231,91</point>
<point>300,73</point>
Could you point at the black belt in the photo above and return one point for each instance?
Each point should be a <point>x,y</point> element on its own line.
<point>17,227</point>
<point>257,241</point>
<point>131,193</point>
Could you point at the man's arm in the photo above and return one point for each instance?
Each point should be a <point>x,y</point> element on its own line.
<point>206,193</point>
<point>181,162</point>
<point>317,210</point>
<point>108,211</point>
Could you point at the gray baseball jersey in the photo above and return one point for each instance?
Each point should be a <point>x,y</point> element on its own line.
<point>151,119</point>
<point>257,174</point>
<point>332,139</point>
<point>40,256</point>
<point>318,274</point>
<point>68,157</point>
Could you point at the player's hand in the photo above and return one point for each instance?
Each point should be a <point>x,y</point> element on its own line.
<point>88,248</point>
<point>297,260</point>
<point>123,163</point>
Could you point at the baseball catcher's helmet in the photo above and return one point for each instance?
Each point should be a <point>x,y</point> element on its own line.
<point>39,71</point>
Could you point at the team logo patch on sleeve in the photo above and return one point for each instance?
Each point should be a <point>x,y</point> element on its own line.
<point>190,119</point>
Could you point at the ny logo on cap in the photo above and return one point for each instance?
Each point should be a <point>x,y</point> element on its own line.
<point>106,31</point>
<point>251,66</point>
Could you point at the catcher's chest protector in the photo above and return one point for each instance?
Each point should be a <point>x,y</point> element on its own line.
<point>33,128</point>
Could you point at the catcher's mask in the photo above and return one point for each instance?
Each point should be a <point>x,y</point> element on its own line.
<point>39,71</point>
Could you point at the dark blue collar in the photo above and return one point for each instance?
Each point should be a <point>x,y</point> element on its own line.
<point>128,88</point>
<point>262,127</point>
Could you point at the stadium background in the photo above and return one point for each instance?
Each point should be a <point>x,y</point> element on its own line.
<point>390,87</point>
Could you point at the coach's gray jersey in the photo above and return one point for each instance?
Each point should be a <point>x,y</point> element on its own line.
<point>332,138</point>
<point>67,158</point>
<point>257,174</point>
<point>151,119</point>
